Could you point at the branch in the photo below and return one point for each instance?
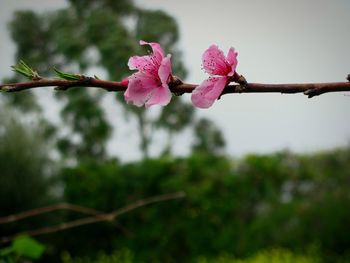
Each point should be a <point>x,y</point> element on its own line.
<point>47,209</point>
<point>179,88</point>
<point>98,217</point>
<point>64,84</point>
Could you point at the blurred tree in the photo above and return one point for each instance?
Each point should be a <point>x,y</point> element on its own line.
<point>173,119</point>
<point>27,171</point>
<point>208,138</point>
<point>232,207</point>
<point>96,35</point>
<point>268,256</point>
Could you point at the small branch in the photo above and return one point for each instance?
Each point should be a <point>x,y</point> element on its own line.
<point>309,89</point>
<point>47,209</point>
<point>99,217</point>
<point>177,87</point>
<point>64,84</point>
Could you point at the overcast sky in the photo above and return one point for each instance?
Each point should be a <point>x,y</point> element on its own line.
<point>278,41</point>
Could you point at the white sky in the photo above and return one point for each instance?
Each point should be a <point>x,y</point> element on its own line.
<point>278,41</point>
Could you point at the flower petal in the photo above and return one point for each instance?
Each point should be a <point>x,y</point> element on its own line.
<point>232,56</point>
<point>214,61</point>
<point>156,49</point>
<point>160,96</point>
<point>140,89</point>
<point>147,64</point>
<point>208,91</point>
<point>232,60</point>
<point>144,64</point>
<point>164,70</point>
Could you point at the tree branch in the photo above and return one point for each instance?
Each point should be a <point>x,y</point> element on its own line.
<point>47,209</point>
<point>98,217</point>
<point>177,87</point>
<point>64,84</point>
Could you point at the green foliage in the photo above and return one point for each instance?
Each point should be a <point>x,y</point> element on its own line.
<point>24,101</point>
<point>27,247</point>
<point>121,256</point>
<point>27,179</point>
<point>268,256</point>
<point>235,207</point>
<point>208,138</point>
<point>89,126</point>
<point>173,119</point>
<point>24,164</point>
<point>29,33</point>
<point>120,7</point>
<point>22,247</point>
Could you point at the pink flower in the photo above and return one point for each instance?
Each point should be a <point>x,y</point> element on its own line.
<point>149,86</point>
<point>220,70</point>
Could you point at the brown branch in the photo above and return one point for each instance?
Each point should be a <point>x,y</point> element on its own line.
<point>64,84</point>
<point>177,87</point>
<point>47,209</point>
<point>98,218</point>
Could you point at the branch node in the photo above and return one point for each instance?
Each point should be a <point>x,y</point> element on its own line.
<point>242,81</point>
<point>243,84</point>
<point>312,92</point>
<point>240,88</point>
<point>348,77</point>
<point>174,82</point>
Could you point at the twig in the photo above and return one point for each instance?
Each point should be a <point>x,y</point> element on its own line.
<point>64,84</point>
<point>309,89</point>
<point>98,218</point>
<point>47,209</point>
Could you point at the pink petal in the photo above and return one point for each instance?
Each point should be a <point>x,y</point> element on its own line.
<point>232,56</point>
<point>214,61</point>
<point>208,91</point>
<point>147,64</point>
<point>232,60</point>
<point>160,96</point>
<point>165,70</point>
<point>144,64</point>
<point>156,49</point>
<point>140,89</point>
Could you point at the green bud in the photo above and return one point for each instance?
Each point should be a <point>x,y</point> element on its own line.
<point>5,88</point>
<point>25,70</point>
<point>66,75</point>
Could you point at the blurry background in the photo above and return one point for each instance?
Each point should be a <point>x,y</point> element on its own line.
<point>266,175</point>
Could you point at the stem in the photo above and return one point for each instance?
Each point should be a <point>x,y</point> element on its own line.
<point>309,89</point>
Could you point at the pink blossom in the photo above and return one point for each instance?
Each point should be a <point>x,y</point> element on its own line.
<point>220,69</point>
<point>149,86</point>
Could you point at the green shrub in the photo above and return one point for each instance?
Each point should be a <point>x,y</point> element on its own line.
<point>266,256</point>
